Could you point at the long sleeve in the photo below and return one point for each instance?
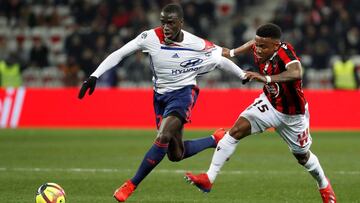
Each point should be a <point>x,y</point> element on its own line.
<point>229,66</point>
<point>114,58</point>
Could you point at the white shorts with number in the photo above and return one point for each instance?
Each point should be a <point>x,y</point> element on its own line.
<point>294,129</point>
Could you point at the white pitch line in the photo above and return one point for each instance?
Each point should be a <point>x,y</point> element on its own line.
<point>109,170</point>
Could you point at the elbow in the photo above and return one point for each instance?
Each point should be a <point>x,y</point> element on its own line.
<point>296,72</point>
<point>299,75</point>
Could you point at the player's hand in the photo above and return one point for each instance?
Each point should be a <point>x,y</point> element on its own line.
<point>244,81</point>
<point>90,84</point>
<point>226,52</point>
<point>249,75</point>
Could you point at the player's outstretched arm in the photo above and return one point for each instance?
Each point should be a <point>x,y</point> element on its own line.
<point>114,58</point>
<point>229,66</point>
<point>111,61</point>
<point>293,72</point>
<point>239,50</point>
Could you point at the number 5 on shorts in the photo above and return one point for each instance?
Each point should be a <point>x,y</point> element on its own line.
<point>261,108</point>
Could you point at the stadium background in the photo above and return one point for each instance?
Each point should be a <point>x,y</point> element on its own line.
<point>58,43</point>
<point>49,134</point>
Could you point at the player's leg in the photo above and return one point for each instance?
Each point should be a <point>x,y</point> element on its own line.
<point>179,149</point>
<point>171,132</point>
<point>169,126</point>
<point>226,147</point>
<point>313,166</point>
<point>255,119</point>
<point>180,105</point>
<point>152,157</point>
<point>252,120</point>
<point>195,146</point>
<point>295,132</point>
<point>224,150</point>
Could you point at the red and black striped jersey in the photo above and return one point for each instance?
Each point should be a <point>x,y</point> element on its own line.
<point>286,97</point>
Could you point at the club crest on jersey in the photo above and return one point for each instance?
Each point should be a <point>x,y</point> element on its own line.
<point>191,62</point>
<point>273,89</point>
<point>143,35</point>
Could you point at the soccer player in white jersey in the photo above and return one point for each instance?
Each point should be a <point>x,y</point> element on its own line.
<point>281,106</point>
<point>177,58</point>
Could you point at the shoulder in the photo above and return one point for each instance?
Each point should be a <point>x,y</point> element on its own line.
<point>146,36</point>
<point>200,43</point>
<point>287,53</point>
<point>158,34</point>
<point>286,46</point>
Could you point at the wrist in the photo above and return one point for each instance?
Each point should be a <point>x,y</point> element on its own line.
<point>268,79</point>
<point>232,53</point>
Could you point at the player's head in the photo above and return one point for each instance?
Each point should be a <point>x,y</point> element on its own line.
<point>171,18</point>
<point>267,40</point>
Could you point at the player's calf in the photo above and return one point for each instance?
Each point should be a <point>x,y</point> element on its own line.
<point>175,157</point>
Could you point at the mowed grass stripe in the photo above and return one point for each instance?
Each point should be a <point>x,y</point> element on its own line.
<point>177,171</point>
<point>91,164</point>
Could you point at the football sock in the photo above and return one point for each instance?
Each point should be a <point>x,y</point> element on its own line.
<point>155,154</point>
<point>314,168</point>
<point>223,151</point>
<point>192,147</point>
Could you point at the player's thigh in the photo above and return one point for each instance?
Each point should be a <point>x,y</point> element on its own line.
<point>261,115</point>
<point>181,102</point>
<point>295,132</point>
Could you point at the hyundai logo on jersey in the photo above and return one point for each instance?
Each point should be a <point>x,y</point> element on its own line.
<point>191,62</point>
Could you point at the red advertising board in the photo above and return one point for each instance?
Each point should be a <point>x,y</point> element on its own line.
<point>132,108</point>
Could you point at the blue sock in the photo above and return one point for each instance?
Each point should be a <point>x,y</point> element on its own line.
<point>192,147</point>
<point>155,154</point>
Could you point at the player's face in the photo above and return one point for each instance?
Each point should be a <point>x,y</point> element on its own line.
<point>265,47</point>
<point>171,25</point>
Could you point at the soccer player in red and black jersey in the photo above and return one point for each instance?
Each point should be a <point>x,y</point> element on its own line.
<point>282,106</point>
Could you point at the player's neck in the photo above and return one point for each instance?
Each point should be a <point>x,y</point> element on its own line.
<point>262,60</point>
<point>179,37</point>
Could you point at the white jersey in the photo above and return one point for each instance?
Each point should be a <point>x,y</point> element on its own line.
<point>175,65</point>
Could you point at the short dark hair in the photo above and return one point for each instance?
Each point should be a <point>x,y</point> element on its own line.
<point>269,30</point>
<point>174,8</point>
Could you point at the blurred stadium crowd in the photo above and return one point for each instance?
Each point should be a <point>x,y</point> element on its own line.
<point>56,43</point>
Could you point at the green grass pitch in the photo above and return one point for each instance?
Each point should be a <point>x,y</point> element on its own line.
<point>91,164</point>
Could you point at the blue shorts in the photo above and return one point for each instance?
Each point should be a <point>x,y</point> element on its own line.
<point>179,102</point>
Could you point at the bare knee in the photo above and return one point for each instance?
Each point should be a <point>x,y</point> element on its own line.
<point>302,158</point>
<point>170,127</point>
<point>240,129</point>
<point>164,136</point>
